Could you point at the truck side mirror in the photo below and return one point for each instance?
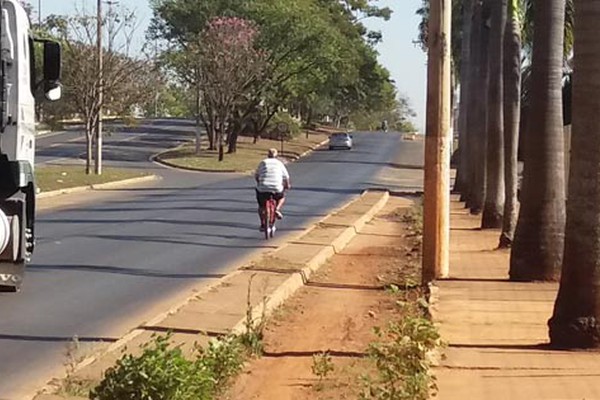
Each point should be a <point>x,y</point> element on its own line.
<point>52,66</point>
<point>51,62</point>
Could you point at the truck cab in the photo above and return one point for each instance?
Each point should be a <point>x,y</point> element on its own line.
<point>18,88</point>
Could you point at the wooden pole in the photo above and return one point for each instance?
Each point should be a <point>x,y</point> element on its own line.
<point>436,207</point>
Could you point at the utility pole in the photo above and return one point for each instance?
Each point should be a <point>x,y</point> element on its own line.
<point>436,207</point>
<point>98,169</point>
<point>40,13</point>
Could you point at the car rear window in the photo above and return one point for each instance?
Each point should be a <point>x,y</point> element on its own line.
<point>340,135</point>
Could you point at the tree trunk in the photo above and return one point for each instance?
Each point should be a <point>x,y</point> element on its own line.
<point>472,103</point>
<point>221,134</point>
<point>210,124</point>
<point>512,115</point>
<point>233,137</point>
<point>539,238</point>
<point>198,135</point>
<point>212,135</point>
<point>481,95</point>
<point>494,193</point>
<point>575,323</point>
<point>198,120</point>
<point>461,183</point>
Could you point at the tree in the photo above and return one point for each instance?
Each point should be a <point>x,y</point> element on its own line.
<point>512,117</point>
<point>478,123</point>
<point>494,198</point>
<point>575,322</point>
<point>172,24</point>
<point>461,183</point>
<point>539,238</point>
<point>229,65</point>
<point>127,81</point>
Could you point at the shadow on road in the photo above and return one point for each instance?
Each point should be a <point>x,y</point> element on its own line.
<point>122,271</point>
<point>56,339</point>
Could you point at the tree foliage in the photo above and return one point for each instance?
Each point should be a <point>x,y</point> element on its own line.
<point>319,58</point>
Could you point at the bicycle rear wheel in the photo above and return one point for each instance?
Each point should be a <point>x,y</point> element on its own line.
<point>267,220</point>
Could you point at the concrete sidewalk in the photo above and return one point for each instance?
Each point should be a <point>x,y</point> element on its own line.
<point>496,330</point>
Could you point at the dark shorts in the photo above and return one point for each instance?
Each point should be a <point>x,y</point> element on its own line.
<point>262,197</point>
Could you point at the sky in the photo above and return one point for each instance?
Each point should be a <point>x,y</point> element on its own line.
<point>406,62</point>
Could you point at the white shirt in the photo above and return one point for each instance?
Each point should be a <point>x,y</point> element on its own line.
<point>271,173</point>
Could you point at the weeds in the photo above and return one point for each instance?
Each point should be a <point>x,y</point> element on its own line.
<point>163,372</point>
<point>401,353</point>
<point>322,365</point>
<point>414,217</point>
<point>254,333</point>
<point>71,385</point>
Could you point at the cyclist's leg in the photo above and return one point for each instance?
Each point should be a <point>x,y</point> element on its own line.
<point>261,199</point>
<point>280,200</point>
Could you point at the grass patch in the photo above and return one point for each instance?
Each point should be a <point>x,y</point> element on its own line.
<point>57,177</point>
<point>247,157</point>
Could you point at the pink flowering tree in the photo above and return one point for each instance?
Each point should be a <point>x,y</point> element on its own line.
<point>230,67</point>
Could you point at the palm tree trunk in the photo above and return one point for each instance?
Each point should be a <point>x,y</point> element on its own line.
<point>472,103</point>
<point>512,115</point>
<point>465,70</point>
<point>539,238</point>
<point>481,92</point>
<point>575,323</point>
<point>494,199</point>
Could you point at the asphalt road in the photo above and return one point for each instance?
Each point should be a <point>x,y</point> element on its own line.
<point>103,268</point>
<point>123,146</point>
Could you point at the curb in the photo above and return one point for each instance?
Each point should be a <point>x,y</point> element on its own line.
<point>98,186</point>
<point>156,159</point>
<point>300,278</point>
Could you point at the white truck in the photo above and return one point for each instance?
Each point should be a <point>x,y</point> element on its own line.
<point>18,89</point>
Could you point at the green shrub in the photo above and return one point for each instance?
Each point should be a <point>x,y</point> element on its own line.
<point>401,358</point>
<point>294,127</point>
<point>162,372</point>
<point>223,359</point>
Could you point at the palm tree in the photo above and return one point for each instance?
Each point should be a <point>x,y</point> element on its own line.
<point>512,118</point>
<point>479,90</point>
<point>494,200</point>
<point>472,104</point>
<point>461,184</point>
<point>539,237</point>
<point>575,323</point>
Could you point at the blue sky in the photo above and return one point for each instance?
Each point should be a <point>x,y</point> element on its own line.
<point>405,61</point>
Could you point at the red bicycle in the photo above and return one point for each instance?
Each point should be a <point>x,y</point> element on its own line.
<point>268,217</point>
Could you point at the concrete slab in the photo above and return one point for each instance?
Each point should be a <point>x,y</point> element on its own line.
<point>219,310</point>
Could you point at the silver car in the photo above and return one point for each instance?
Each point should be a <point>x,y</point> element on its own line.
<point>340,141</point>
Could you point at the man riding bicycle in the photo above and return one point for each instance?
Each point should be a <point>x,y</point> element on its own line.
<point>272,179</point>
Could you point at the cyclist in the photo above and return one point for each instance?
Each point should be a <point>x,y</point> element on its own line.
<point>384,125</point>
<point>272,178</point>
